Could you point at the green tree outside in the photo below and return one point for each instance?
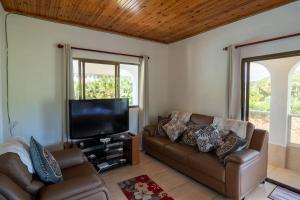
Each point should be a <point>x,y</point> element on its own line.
<point>104,88</point>
<point>260,94</point>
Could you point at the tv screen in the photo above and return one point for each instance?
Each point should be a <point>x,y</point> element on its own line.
<point>91,118</point>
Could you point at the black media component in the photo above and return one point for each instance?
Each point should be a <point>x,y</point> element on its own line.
<point>98,117</point>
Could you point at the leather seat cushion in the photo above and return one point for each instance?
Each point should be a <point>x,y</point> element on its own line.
<point>208,164</point>
<point>179,152</point>
<point>157,143</point>
<point>78,170</point>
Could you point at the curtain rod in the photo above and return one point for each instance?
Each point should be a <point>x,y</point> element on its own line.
<point>99,51</point>
<point>263,41</point>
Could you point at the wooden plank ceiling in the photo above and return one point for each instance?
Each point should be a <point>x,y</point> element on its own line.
<point>164,21</point>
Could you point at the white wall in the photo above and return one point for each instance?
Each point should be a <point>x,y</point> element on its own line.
<point>2,63</point>
<point>35,78</point>
<point>198,65</point>
<point>187,75</point>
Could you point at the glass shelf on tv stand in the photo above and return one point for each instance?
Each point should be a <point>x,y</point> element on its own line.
<point>102,155</point>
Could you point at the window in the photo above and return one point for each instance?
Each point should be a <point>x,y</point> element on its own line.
<point>95,79</point>
<point>258,94</point>
<point>294,116</point>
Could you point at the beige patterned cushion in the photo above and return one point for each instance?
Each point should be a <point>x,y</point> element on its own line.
<point>184,117</point>
<point>174,129</point>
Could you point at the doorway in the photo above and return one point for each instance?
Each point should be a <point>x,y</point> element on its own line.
<point>271,101</point>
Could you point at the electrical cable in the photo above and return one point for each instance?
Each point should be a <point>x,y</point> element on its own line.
<point>7,73</point>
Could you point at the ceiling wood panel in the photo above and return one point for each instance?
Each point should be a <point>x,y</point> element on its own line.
<point>164,21</point>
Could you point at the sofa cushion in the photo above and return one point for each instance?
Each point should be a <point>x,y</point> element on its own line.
<point>44,163</point>
<point>84,169</point>
<point>188,136</point>
<point>208,164</point>
<point>208,138</point>
<point>174,129</point>
<point>232,144</point>
<point>179,152</point>
<point>161,121</point>
<point>156,143</point>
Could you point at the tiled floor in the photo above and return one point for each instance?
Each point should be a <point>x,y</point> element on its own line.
<point>286,176</point>
<point>174,183</point>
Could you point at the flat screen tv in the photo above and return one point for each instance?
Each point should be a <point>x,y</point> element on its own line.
<point>99,117</point>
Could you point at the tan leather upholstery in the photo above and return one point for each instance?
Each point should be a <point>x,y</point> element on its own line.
<point>179,152</point>
<point>208,164</point>
<point>81,180</point>
<point>10,164</point>
<point>84,169</point>
<point>83,185</point>
<point>10,190</point>
<point>240,174</point>
<point>202,120</point>
<point>69,157</point>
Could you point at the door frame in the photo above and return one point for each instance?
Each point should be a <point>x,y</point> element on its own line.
<point>245,76</point>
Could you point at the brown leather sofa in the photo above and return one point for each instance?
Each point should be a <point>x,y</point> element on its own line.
<point>81,181</point>
<point>242,172</point>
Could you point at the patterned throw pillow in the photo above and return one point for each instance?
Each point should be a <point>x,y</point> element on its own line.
<point>208,138</point>
<point>174,129</point>
<point>188,137</point>
<point>161,122</point>
<point>44,163</point>
<point>233,143</point>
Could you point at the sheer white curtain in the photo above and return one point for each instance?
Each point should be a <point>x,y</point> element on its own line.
<point>143,94</point>
<point>234,83</point>
<point>68,89</point>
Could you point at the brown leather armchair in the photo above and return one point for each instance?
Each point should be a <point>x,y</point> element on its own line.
<point>241,173</point>
<point>81,181</point>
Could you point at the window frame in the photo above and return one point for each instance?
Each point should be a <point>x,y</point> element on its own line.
<point>245,75</point>
<point>82,61</point>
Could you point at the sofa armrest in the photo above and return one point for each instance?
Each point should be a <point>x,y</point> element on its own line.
<point>247,169</point>
<point>77,188</point>
<point>10,190</point>
<point>69,157</point>
<point>149,130</point>
<point>241,157</point>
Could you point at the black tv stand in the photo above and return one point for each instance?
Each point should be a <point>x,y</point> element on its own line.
<point>108,152</point>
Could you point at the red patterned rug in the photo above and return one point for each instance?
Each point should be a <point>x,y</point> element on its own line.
<point>143,188</point>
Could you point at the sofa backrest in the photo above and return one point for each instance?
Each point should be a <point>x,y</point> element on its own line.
<point>202,120</point>
<point>12,167</point>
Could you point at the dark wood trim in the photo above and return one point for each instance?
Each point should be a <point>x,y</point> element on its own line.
<point>247,67</point>
<point>83,78</point>
<point>100,51</point>
<point>134,106</point>
<point>266,40</point>
<point>273,56</point>
<point>282,185</point>
<point>243,91</point>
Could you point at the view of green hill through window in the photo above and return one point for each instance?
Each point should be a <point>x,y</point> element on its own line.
<point>260,94</point>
